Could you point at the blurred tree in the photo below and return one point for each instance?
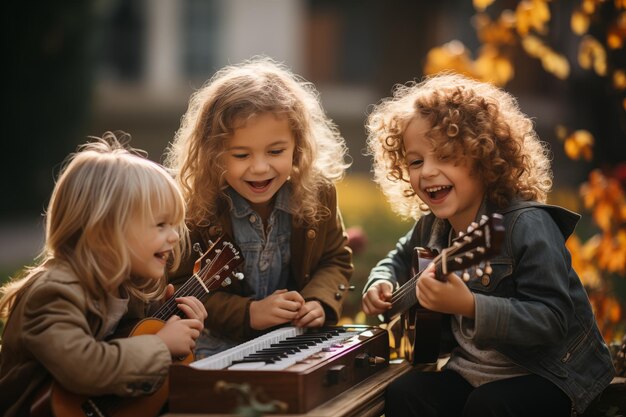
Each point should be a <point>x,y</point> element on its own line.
<point>506,28</point>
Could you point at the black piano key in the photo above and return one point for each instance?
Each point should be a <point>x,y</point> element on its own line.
<point>287,349</point>
<point>275,356</point>
<point>252,360</point>
<point>295,343</point>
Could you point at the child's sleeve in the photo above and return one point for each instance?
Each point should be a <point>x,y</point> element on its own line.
<point>396,266</point>
<point>58,334</point>
<point>331,268</point>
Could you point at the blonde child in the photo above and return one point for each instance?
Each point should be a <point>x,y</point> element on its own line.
<point>526,340</point>
<point>113,224</point>
<point>257,159</point>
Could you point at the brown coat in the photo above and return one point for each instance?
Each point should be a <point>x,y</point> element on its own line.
<point>321,266</point>
<point>55,330</point>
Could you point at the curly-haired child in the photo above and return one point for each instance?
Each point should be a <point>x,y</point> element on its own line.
<point>257,159</point>
<point>447,151</point>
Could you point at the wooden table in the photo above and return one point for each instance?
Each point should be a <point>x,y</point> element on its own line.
<point>363,400</point>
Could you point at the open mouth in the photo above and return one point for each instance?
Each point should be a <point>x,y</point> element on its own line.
<point>164,256</point>
<point>259,185</point>
<point>438,192</point>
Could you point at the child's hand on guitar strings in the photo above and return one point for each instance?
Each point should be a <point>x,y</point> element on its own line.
<point>450,296</point>
<point>377,298</point>
<point>191,306</point>
<point>179,335</point>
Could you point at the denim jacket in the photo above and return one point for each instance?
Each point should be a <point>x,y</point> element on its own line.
<point>533,308</point>
<point>320,266</point>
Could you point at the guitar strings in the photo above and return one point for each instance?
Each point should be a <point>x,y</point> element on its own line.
<point>191,288</point>
<point>409,287</point>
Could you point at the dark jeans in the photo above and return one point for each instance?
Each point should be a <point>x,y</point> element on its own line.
<point>446,393</point>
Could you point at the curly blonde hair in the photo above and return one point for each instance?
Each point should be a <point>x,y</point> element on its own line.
<point>469,119</point>
<point>101,191</point>
<point>231,96</point>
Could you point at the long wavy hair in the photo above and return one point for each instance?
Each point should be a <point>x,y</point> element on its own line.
<point>101,191</point>
<point>224,103</point>
<point>469,120</point>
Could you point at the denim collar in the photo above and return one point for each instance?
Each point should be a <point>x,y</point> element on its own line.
<point>241,208</point>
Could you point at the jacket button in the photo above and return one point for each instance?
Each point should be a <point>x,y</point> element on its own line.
<point>252,218</point>
<point>215,230</point>
<point>337,296</point>
<point>485,280</point>
<point>311,234</point>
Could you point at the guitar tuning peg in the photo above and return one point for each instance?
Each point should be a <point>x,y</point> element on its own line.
<point>480,249</point>
<point>197,248</point>
<point>226,282</point>
<point>465,276</point>
<point>488,269</point>
<point>479,272</point>
<point>238,275</point>
<point>484,219</point>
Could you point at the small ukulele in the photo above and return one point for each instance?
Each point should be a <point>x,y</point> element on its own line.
<point>214,268</point>
<point>421,328</point>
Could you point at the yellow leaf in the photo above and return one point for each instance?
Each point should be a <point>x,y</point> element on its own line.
<point>589,6</point>
<point>561,132</point>
<point>616,33</point>
<point>602,215</point>
<point>481,5</point>
<point>533,46</point>
<point>613,40</point>
<point>579,22</point>
<point>619,79</point>
<point>492,67</point>
<point>592,53</point>
<point>571,149</point>
<point>451,56</point>
<point>555,64</point>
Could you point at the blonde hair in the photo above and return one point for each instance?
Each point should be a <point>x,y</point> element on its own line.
<point>224,103</point>
<point>469,120</point>
<point>100,191</point>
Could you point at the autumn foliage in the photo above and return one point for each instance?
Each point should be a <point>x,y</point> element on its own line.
<point>600,260</point>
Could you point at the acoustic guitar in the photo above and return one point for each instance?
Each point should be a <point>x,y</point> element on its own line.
<point>419,337</point>
<point>214,268</point>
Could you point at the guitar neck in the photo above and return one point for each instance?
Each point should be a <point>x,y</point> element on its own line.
<point>477,245</point>
<point>191,287</point>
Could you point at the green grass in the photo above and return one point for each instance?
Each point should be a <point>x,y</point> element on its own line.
<point>363,204</point>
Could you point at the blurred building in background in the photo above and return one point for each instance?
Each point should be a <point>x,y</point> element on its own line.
<point>82,68</point>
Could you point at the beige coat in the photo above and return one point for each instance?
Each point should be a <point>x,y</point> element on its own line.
<point>321,266</point>
<point>55,330</point>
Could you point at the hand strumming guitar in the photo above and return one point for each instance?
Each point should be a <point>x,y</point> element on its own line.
<point>450,296</point>
<point>376,298</point>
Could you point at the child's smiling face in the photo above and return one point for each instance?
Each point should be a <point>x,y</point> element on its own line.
<point>259,159</point>
<point>449,188</point>
<point>150,243</point>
